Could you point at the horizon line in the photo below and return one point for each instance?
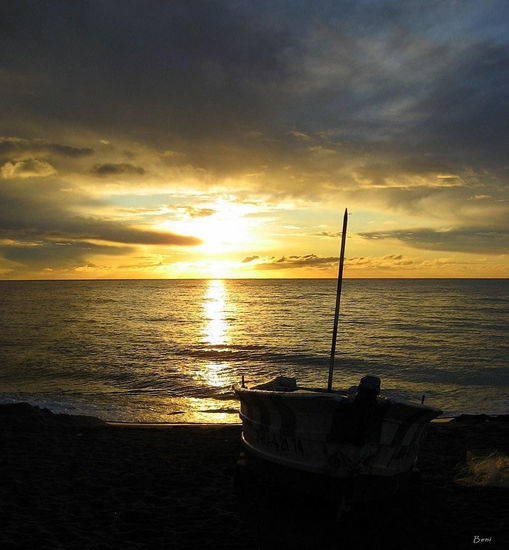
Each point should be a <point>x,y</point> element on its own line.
<point>252,279</point>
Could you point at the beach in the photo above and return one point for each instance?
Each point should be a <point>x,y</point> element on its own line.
<point>78,482</point>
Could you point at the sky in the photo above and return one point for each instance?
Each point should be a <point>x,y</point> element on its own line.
<point>211,139</point>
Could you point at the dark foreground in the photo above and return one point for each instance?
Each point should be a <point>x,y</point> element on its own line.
<point>75,482</point>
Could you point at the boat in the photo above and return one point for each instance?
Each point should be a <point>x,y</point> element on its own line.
<point>365,443</point>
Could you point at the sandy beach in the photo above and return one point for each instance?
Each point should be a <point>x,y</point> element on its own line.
<point>77,482</point>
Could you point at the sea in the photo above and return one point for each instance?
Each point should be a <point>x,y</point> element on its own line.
<point>170,350</point>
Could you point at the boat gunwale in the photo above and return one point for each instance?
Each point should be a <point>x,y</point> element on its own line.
<point>336,395</point>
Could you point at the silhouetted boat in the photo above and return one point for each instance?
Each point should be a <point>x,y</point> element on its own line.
<point>347,436</point>
<point>338,433</point>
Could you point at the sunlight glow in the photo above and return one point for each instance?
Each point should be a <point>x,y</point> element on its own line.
<point>225,230</point>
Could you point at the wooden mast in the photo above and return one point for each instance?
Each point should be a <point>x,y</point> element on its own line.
<point>338,300</point>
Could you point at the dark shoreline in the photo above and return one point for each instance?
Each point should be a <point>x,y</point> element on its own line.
<point>77,482</point>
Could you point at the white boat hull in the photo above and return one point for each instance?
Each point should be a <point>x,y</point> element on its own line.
<point>320,432</point>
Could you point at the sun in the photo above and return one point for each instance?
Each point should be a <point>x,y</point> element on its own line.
<point>225,230</point>
<point>222,233</point>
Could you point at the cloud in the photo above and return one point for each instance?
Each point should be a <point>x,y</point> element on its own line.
<point>180,67</point>
<point>386,106</point>
<point>475,240</point>
<point>183,211</point>
<point>57,254</point>
<point>28,215</point>
<point>122,233</point>
<point>338,96</point>
<point>31,168</point>
<point>200,212</point>
<point>292,262</point>
<point>111,169</point>
<point>387,262</point>
<point>80,227</point>
<point>326,234</point>
<point>15,147</point>
<point>68,151</point>
<point>249,259</point>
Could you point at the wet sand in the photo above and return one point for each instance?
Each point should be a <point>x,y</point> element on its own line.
<point>76,482</point>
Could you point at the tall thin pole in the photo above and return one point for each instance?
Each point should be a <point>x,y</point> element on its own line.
<point>338,300</point>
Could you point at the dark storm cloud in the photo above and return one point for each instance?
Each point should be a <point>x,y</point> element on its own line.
<point>378,69</point>
<point>476,240</point>
<point>111,169</point>
<point>182,66</point>
<point>379,77</point>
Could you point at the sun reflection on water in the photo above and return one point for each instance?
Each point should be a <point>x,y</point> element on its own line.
<point>215,331</point>
<point>215,373</point>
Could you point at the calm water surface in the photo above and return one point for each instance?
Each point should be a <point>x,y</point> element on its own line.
<point>169,350</point>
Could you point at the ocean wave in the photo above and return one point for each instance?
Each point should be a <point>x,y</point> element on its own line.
<point>252,353</point>
<point>132,352</point>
